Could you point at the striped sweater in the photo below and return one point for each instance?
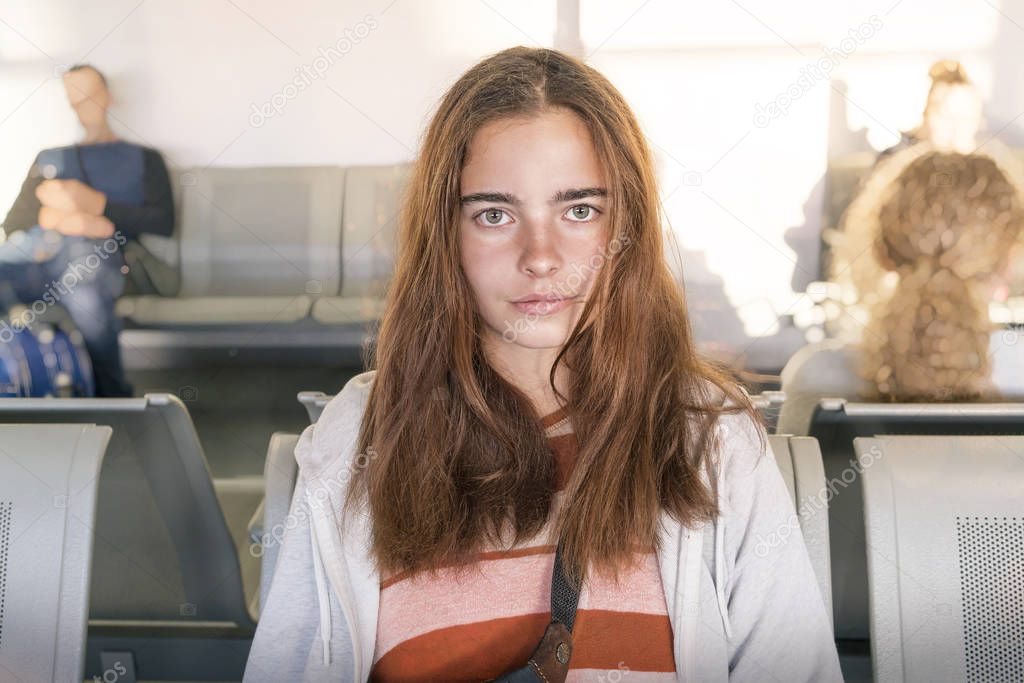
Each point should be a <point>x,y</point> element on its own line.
<point>480,624</point>
<point>737,615</point>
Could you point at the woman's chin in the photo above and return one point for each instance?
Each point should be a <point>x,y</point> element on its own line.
<point>540,334</point>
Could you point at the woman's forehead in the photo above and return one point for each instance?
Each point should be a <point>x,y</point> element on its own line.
<point>550,150</point>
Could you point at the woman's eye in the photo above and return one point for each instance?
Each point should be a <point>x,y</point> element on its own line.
<point>581,212</point>
<point>492,217</point>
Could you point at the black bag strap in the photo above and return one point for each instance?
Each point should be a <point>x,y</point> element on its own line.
<point>550,660</point>
<point>564,599</point>
<point>81,165</point>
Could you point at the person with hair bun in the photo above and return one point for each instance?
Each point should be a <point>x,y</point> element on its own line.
<point>952,114</point>
<point>926,242</point>
<point>944,233</point>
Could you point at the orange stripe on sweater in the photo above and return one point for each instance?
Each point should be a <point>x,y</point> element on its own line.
<point>486,649</point>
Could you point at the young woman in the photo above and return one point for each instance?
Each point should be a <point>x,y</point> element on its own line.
<point>534,381</point>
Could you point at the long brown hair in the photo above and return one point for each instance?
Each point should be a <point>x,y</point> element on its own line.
<point>460,451</point>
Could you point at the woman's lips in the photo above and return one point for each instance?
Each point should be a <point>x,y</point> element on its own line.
<point>542,307</point>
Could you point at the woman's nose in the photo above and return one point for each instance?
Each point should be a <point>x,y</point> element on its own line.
<point>540,254</point>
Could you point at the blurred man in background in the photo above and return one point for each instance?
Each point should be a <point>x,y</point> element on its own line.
<point>62,239</point>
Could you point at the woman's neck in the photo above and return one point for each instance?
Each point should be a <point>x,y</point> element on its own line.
<point>529,371</point>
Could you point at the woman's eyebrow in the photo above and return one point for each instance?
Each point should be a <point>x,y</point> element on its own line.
<point>497,197</point>
<point>570,195</point>
<point>578,193</point>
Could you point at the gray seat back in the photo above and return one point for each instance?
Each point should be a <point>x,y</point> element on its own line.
<point>314,402</point>
<point>799,460</point>
<point>261,231</point>
<point>163,550</point>
<point>945,532</point>
<point>835,424</point>
<point>768,405</point>
<point>279,475</point>
<point>280,472</point>
<point>48,483</point>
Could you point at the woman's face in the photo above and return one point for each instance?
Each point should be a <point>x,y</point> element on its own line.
<point>533,224</point>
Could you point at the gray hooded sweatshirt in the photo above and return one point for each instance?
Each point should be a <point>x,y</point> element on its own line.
<point>741,609</point>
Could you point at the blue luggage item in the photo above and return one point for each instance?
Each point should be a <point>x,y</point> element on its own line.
<point>34,380</point>
<point>12,370</point>
<point>67,362</point>
<point>44,360</point>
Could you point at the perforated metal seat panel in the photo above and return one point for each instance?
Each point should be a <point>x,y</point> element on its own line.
<point>836,423</point>
<point>944,518</point>
<point>163,550</point>
<point>989,550</point>
<point>48,486</point>
<point>6,508</point>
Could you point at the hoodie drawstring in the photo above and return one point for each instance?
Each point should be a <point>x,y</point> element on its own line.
<point>333,577</point>
<point>720,553</point>
<point>690,604</point>
<point>321,597</point>
<point>720,578</point>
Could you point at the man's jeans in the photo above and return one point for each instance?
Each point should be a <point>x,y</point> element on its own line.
<point>39,268</point>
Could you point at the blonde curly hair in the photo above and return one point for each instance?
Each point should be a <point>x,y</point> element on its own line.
<point>922,240</point>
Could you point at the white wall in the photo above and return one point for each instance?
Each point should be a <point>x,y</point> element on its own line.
<point>187,73</point>
<point>743,198</point>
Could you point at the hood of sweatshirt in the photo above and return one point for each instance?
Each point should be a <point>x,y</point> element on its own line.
<point>341,548</point>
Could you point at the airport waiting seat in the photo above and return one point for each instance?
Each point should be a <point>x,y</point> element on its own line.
<point>799,460</point>
<point>273,245</point>
<point>314,403</point>
<point>369,227</point>
<point>48,484</point>
<point>239,497</point>
<point>266,265</point>
<point>165,572</point>
<point>768,405</point>
<point>270,520</point>
<point>253,245</point>
<point>835,424</point>
<point>266,528</point>
<point>945,532</point>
